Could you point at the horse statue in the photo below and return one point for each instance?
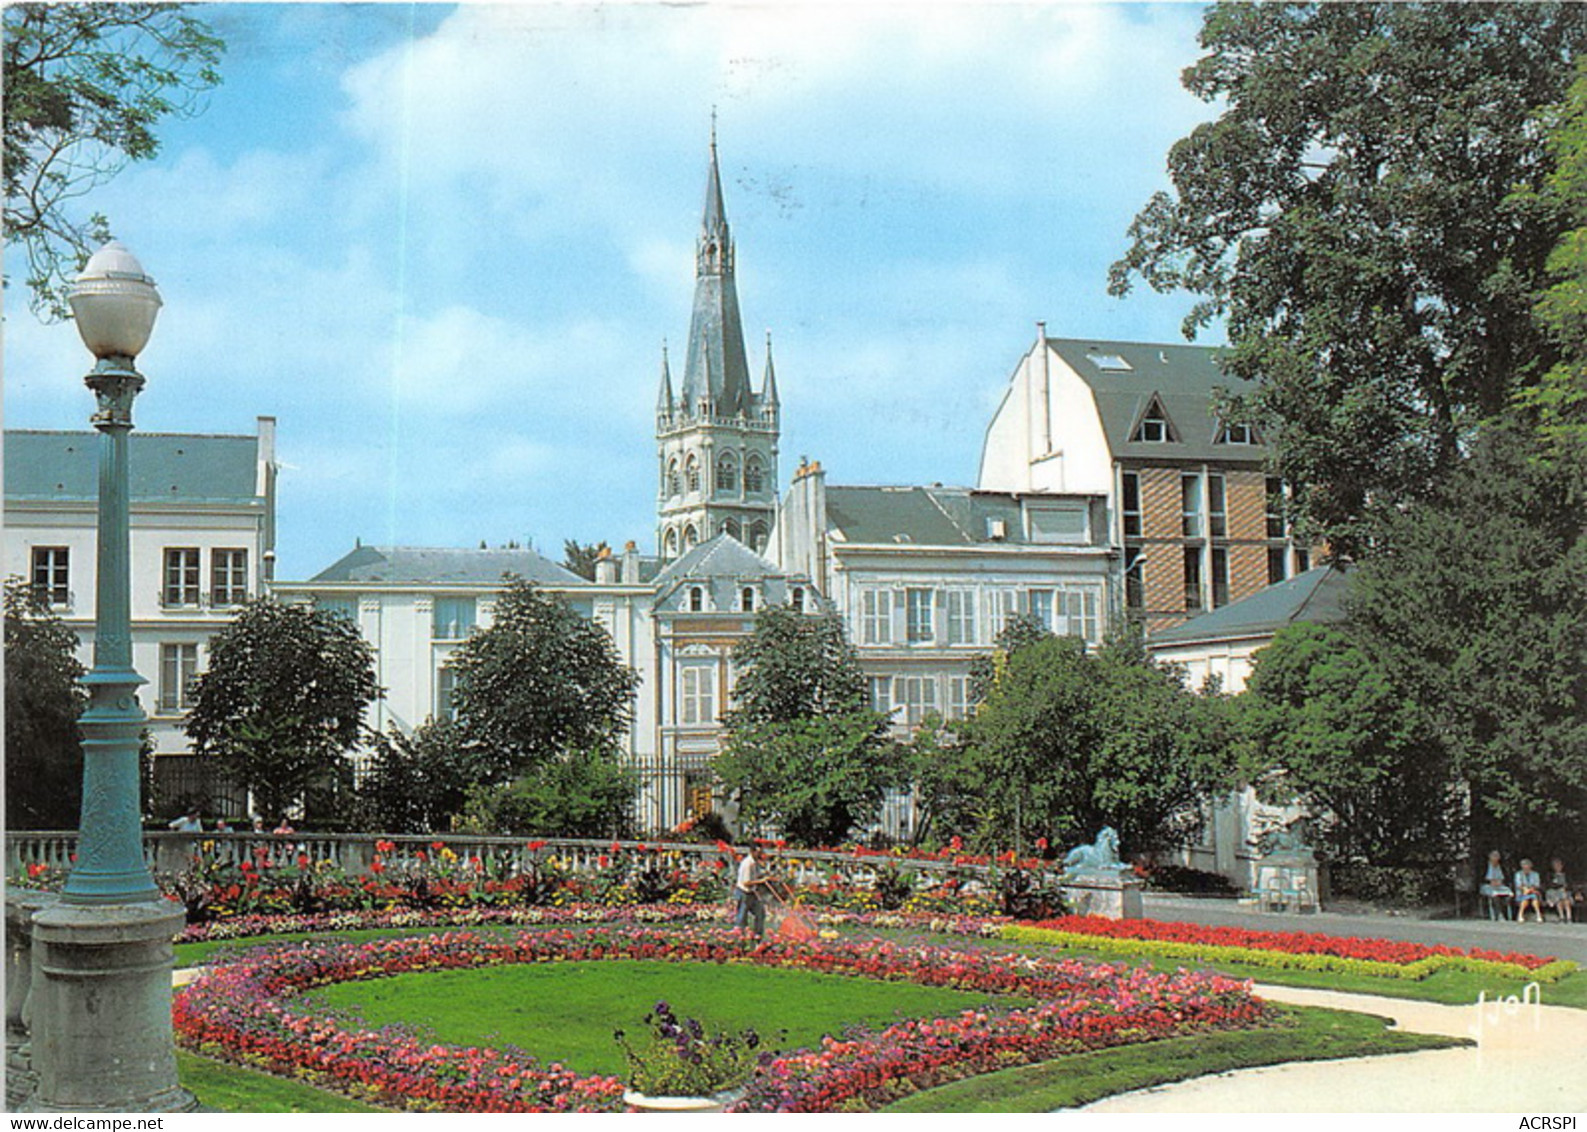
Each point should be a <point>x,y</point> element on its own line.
<point>1102,855</point>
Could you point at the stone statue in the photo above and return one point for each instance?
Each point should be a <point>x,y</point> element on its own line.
<point>1101,856</point>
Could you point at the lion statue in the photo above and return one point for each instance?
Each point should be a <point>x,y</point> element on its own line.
<point>1102,855</point>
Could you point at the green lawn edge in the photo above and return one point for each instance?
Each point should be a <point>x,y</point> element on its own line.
<point>1301,1033</point>
<point>221,1086</point>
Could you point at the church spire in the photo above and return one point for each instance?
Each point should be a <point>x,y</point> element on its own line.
<point>665,404</point>
<point>768,388</point>
<point>716,370</point>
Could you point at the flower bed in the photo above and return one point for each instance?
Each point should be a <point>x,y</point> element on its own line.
<point>1295,950</point>
<point>250,1012</point>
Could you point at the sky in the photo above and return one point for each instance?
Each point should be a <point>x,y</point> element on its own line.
<point>443,245</point>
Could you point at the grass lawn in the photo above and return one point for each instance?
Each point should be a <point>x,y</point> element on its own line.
<point>1306,1034</point>
<point>231,1088</point>
<point>567,1011</point>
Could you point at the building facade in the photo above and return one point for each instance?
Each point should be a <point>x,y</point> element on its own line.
<point>716,440</point>
<point>203,543</point>
<point>1197,519</point>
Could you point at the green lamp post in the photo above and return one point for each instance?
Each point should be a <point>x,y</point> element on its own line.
<point>101,1006</point>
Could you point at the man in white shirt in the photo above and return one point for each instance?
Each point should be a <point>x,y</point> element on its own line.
<point>746,892</point>
<point>189,822</point>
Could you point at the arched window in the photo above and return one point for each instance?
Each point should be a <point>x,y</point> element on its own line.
<point>746,599</point>
<point>672,543</point>
<point>798,599</point>
<point>730,527</point>
<point>674,485</point>
<point>727,473</point>
<point>691,537</point>
<point>757,536</point>
<point>754,475</point>
<point>691,474</point>
<point>696,599</point>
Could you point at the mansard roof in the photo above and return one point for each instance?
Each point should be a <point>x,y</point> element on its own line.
<point>720,557</point>
<point>1317,595</point>
<point>924,516</point>
<point>166,467</point>
<point>444,566</point>
<point>1126,376</point>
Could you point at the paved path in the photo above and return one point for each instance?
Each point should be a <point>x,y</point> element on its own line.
<point>1529,1060</point>
<point>1565,941</point>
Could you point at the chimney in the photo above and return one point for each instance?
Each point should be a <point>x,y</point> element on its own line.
<point>605,568</point>
<point>630,563</point>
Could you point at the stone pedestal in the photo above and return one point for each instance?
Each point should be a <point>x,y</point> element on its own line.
<point>1116,897</point>
<point>21,905</point>
<point>101,1008</point>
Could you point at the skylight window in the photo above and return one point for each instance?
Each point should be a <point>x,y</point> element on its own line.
<point>1110,362</point>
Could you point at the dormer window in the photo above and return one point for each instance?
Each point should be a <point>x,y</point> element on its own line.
<point>798,599</point>
<point>1236,434</point>
<point>1154,427</point>
<point>746,599</point>
<point>696,599</point>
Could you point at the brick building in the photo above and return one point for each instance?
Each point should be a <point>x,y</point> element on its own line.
<point>1197,520</point>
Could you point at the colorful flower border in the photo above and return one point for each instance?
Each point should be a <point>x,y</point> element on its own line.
<point>1310,951</point>
<point>249,1012</point>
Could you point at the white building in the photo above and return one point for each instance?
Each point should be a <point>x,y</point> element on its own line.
<point>203,543</point>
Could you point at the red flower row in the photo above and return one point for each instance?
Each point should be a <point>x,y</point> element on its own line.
<point>1295,943</point>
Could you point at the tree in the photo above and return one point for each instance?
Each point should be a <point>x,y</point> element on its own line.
<point>86,85</point>
<point>1019,630</point>
<point>1331,730</point>
<point>584,793</point>
<point>1475,605</point>
<point>803,752</point>
<point>1067,742</point>
<point>43,752</point>
<point>582,557</point>
<point>283,700</point>
<point>1560,400</point>
<point>419,783</point>
<point>1354,215</point>
<point>540,683</point>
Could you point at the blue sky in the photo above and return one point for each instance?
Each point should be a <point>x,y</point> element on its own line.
<point>443,245</point>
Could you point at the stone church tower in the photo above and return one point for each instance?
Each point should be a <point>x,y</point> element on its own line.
<point>716,440</point>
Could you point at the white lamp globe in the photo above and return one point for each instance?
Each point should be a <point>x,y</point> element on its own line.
<point>114,303</point>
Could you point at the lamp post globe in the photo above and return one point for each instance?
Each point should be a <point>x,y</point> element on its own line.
<point>100,999</point>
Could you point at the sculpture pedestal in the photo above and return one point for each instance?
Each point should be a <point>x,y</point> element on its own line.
<point>100,1002</point>
<point>1287,882</point>
<point>21,906</point>
<point>1114,897</point>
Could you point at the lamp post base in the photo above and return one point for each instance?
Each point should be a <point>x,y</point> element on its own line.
<point>101,1009</point>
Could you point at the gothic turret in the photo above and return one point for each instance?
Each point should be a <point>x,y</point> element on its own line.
<point>716,371</point>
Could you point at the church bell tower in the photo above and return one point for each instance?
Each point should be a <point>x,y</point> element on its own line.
<point>716,439</point>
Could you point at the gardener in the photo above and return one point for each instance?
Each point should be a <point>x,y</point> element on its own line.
<point>746,892</point>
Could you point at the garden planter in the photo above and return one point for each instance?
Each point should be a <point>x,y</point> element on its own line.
<point>716,1102</point>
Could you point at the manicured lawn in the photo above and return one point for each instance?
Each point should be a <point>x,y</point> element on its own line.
<point>1305,1034</point>
<point>231,1088</point>
<point>567,1011</point>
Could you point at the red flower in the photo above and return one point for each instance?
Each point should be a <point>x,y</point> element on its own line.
<point>377,866</point>
<point>955,843</point>
<point>437,845</point>
<point>303,860</point>
<point>616,848</point>
<point>1041,844</point>
<point>479,865</point>
<point>36,868</point>
<point>385,846</point>
<point>535,846</point>
<point>602,861</point>
<point>419,854</point>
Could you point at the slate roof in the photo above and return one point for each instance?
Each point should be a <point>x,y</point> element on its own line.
<point>1183,378</point>
<point>716,365</point>
<point>165,467</point>
<point>924,516</point>
<point>721,564</point>
<point>417,565</point>
<point>1315,596</point>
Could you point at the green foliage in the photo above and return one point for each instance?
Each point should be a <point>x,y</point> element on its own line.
<point>542,681</point>
<point>1067,742</point>
<point>1330,729</point>
<point>680,1057</point>
<point>939,766</point>
<point>43,749</point>
<point>1019,630</point>
<point>86,85</point>
<point>1560,400</point>
<point>579,793</point>
<point>814,779</point>
<point>283,699</point>
<point>795,666</point>
<point>419,783</point>
<point>1475,605</point>
<point>582,557</point>
<point>803,753</point>
<point>1354,214</point>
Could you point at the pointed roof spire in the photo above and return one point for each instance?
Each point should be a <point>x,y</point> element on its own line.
<point>665,403</point>
<point>715,220</point>
<point>716,370</point>
<point>768,389</point>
